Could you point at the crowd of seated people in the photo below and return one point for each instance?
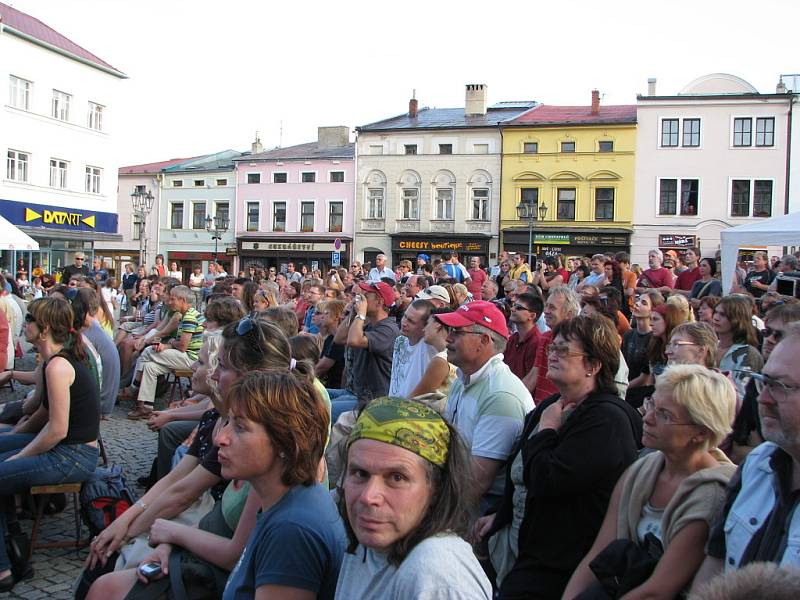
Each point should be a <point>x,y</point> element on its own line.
<point>566,429</point>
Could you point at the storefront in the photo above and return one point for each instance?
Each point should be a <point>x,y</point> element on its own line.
<point>568,241</point>
<point>314,253</point>
<point>408,247</point>
<point>187,261</point>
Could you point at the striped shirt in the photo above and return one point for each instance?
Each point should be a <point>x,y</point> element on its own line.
<point>192,322</point>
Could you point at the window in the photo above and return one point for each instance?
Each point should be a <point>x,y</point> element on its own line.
<point>410,203</point>
<point>177,183</point>
<point>740,198</point>
<point>308,177</point>
<point>376,149</point>
<point>58,173</point>
<point>94,118</point>
<point>222,182</point>
<point>252,216</point>
<point>605,146</point>
<point>254,178</point>
<point>529,196</point>
<point>604,204</point>
<point>530,147</point>
<point>691,133</point>
<point>762,198</point>
<point>279,216</point>
<point>375,203</point>
<point>199,215</point>
<point>742,132</point>
<point>279,178</point>
<point>19,92</point>
<point>176,215</point>
<point>93,175</point>
<point>568,146</point>
<point>199,182</point>
<point>566,204</point>
<point>140,189</point>
<point>480,204</point>
<point>669,133</point>
<point>223,212</point>
<point>306,216</point>
<point>137,227</point>
<point>60,106</point>
<point>480,148</point>
<point>410,148</point>
<point>445,148</point>
<point>444,204</point>
<point>765,131</point>
<point>336,176</point>
<point>668,197</point>
<point>335,216</point>
<point>17,165</point>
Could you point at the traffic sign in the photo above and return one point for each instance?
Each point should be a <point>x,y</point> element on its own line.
<point>336,258</point>
<point>337,244</point>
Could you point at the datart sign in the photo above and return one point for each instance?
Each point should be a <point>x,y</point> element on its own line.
<point>57,217</point>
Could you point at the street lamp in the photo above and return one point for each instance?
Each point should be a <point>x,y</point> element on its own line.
<point>142,205</point>
<point>217,226</point>
<point>528,210</point>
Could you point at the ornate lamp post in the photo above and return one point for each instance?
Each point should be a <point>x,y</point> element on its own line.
<point>142,205</point>
<point>530,212</point>
<point>217,226</point>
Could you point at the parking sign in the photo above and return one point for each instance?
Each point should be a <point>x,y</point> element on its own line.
<point>336,259</point>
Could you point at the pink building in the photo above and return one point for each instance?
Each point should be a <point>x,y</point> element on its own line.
<point>292,204</point>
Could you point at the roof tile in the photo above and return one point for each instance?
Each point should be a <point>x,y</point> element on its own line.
<point>311,150</point>
<point>547,114</point>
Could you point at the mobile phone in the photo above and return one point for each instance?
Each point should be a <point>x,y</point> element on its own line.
<point>150,570</point>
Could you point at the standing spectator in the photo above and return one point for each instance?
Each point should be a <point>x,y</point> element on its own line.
<point>503,275</point>
<point>476,277</point>
<point>628,279</point>
<point>487,402</point>
<point>159,268</point>
<point>502,257</point>
<point>98,273</point>
<point>520,269</point>
<point>330,367</point>
<point>292,274</point>
<point>686,278</point>
<point>706,285</point>
<point>453,268</point>
<point>656,277</point>
<point>129,280</point>
<point>488,290</point>
<point>521,348</point>
<point>549,274</point>
<point>411,355</point>
<point>14,317</point>
<point>313,293</point>
<point>760,276</point>
<point>422,260</point>
<point>787,264</point>
<point>79,268</point>
<point>196,286</point>
<point>597,275</point>
<point>175,272</point>
<point>636,341</point>
<point>380,270</point>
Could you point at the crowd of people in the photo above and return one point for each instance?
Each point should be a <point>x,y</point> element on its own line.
<point>575,428</point>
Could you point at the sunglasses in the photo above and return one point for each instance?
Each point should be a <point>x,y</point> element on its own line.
<point>29,318</point>
<point>246,327</point>
<point>519,306</point>
<point>563,351</point>
<point>769,332</point>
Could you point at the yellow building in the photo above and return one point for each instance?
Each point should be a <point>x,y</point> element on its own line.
<point>576,165</point>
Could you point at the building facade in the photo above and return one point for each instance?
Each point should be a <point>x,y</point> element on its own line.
<point>710,157</point>
<point>575,165</point>
<point>56,130</point>
<point>296,204</point>
<point>429,180</point>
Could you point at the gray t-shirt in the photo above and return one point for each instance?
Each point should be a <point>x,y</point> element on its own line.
<point>109,358</point>
<point>442,567</point>
<point>372,366</point>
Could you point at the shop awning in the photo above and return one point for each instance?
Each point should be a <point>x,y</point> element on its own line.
<point>11,238</point>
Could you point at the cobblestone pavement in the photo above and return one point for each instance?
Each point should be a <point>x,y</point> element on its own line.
<point>128,443</point>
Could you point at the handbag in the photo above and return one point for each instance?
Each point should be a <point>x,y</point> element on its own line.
<point>622,566</point>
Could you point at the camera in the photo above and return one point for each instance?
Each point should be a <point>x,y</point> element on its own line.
<point>150,570</point>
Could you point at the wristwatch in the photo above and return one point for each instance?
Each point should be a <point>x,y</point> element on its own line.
<point>362,317</point>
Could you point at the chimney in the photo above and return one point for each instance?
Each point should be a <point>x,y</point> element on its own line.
<point>651,86</point>
<point>595,102</point>
<point>780,88</point>
<point>475,102</point>
<point>256,146</point>
<point>333,137</point>
<point>413,105</point>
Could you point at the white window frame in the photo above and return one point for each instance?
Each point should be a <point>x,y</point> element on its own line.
<point>59,105</point>
<point>177,183</point>
<point>247,177</point>
<point>443,215</point>
<point>59,173</point>
<point>202,183</point>
<point>19,92</point>
<point>13,164</point>
<point>301,173</point>
<point>406,148</point>
<point>217,204</point>
<point>94,118</point>
<point>751,208</point>
<point>342,171</point>
<point>328,204</point>
<point>558,189</point>
<point>754,125</point>
<point>486,213</point>
<point>194,204</point>
<point>660,131</point>
<point>300,204</point>
<point>677,212</point>
<point>683,130</point>
<point>224,181</point>
<point>94,180</point>
<point>415,205</point>
<point>247,206</point>
<point>272,177</point>
<point>285,215</point>
<point>755,132</point>
<point>368,204</point>
<point>183,214</point>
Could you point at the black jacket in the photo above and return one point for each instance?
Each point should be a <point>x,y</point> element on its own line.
<point>569,474</point>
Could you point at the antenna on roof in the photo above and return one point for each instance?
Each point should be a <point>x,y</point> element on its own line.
<point>414,93</point>
<point>280,136</point>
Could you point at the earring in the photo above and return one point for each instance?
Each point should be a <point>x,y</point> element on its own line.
<point>282,454</point>
<point>588,374</point>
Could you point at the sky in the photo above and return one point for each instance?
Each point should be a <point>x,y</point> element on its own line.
<point>204,76</point>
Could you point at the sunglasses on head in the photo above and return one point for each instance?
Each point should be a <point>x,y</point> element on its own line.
<point>29,318</point>
<point>246,327</point>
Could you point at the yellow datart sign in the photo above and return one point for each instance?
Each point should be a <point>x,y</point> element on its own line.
<point>60,217</point>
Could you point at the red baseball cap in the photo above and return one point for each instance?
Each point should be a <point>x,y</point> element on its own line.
<point>480,312</point>
<point>384,290</point>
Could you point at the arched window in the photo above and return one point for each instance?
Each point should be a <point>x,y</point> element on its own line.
<point>479,188</point>
<point>410,185</point>
<point>444,187</point>
<point>374,194</point>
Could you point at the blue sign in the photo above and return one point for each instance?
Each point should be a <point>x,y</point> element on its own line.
<point>336,259</point>
<point>57,217</point>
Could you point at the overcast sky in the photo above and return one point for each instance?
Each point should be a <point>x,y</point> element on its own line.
<point>205,75</point>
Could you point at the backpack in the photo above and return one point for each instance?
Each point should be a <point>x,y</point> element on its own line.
<point>104,497</point>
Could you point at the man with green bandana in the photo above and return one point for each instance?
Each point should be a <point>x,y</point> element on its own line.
<point>406,502</point>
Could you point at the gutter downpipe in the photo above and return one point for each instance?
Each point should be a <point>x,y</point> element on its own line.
<point>788,160</point>
<point>501,236</point>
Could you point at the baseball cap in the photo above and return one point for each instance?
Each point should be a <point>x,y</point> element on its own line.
<point>384,290</point>
<point>434,292</point>
<point>424,257</point>
<point>671,253</point>
<point>480,313</point>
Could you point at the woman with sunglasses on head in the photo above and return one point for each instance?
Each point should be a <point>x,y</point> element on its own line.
<point>573,448</point>
<point>738,340</point>
<point>665,502</point>
<point>67,422</point>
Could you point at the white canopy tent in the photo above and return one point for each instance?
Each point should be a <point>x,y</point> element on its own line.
<point>11,238</point>
<point>777,231</point>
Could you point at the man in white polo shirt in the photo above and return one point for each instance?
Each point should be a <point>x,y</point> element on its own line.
<point>487,403</point>
<point>411,355</point>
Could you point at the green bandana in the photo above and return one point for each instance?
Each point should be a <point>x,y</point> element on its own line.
<point>404,423</point>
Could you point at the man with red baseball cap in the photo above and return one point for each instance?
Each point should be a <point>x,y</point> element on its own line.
<point>487,403</point>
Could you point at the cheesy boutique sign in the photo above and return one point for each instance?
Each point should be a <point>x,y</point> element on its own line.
<point>57,217</point>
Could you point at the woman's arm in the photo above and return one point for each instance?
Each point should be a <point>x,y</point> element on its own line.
<point>27,377</point>
<point>34,424</point>
<point>437,371</point>
<point>557,280</point>
<point>323,366</point>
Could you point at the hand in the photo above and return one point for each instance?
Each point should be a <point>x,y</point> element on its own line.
<point>107,542</point>
<point>482,527</point>
<point>360,305</point>
<point>158,419</point>
<point>159,555</point>
<point>161,347</point>
<point>163,531</point>
<point>551,417</point>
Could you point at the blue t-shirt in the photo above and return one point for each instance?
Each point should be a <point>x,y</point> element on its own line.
<point>299,542</point>
<point>311,328</point>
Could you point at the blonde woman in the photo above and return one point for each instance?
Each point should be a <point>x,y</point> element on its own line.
<point>683,304</point>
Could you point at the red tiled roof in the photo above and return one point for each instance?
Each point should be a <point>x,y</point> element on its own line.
<point>28,25</point>
<point>153,167</point>
<point>547,114</point>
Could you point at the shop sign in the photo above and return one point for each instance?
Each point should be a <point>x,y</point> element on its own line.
<point>674,240</point>
<point>291,246</point>
<point>231,251</point>
<point>57,217</point>
<point>551,238</point>
<point>598,239</point>
<point>476,246</point>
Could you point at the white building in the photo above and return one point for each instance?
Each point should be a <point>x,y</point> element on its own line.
<point>56,130</point>
<point>711,157</point>
<point>429,180</point>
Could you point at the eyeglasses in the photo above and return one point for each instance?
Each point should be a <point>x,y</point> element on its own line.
<point>777,389</point>
<point>563,351</point>
<point>519,306</point>
<point>29,318</point>
<point>663,416</point>
<point>455,332</point>
<point>246,327</point>
<point>678,343</point>
<point>776,333</point>
<point>76,258</point>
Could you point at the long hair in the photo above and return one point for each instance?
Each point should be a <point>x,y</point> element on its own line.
<point>600,341</point>
<point>91,283</point>
<point>249,290</point>
<point>739,311</point>
<point>57,315</point>
<point>453,505</point>
<point>673,316</point>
